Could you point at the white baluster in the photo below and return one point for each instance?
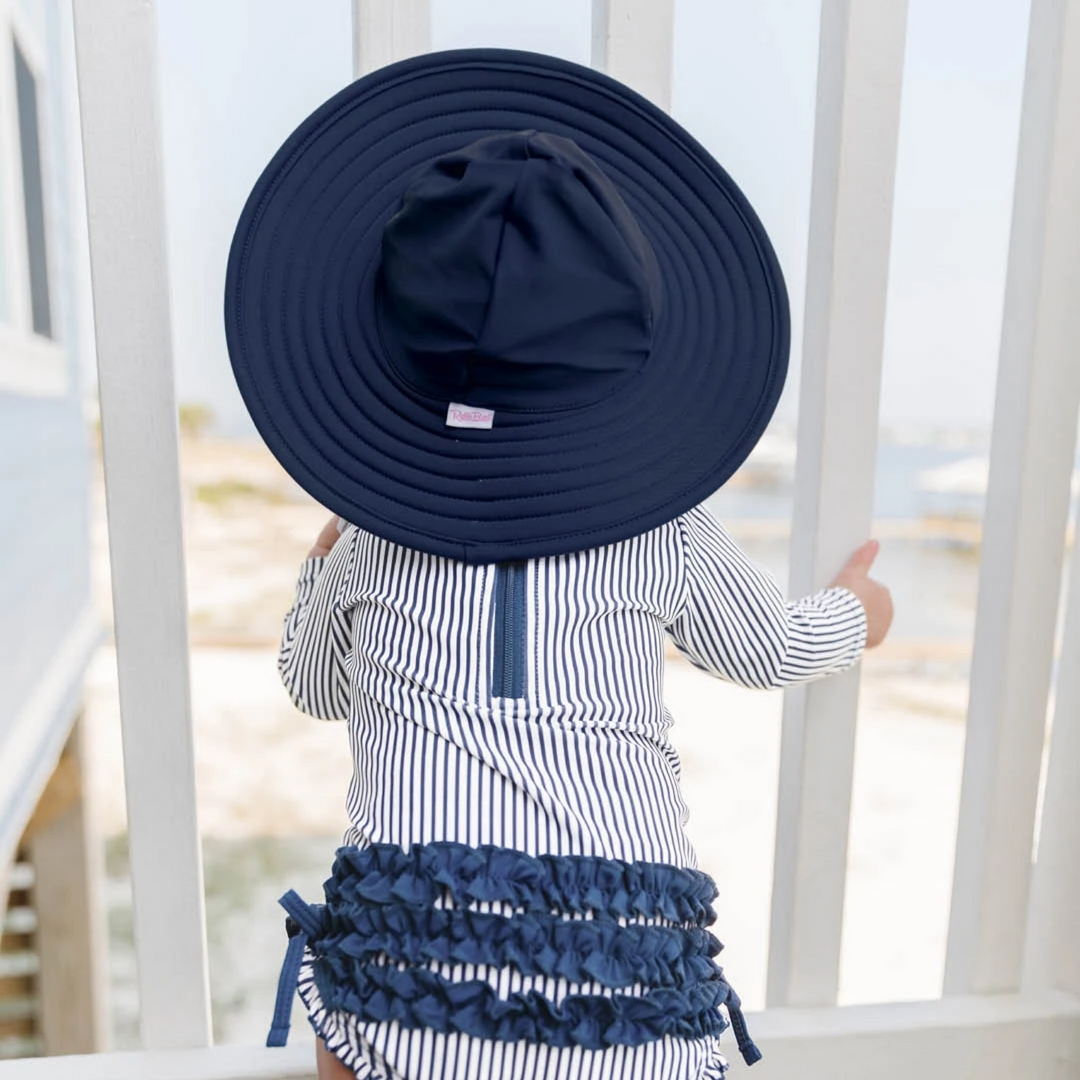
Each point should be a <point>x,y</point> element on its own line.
<point>1052,954</point>
<point>632,41</point>
<point>388,30</point>
<point>858,113</point>
<point>116,46</point>
<point>1031,463</point>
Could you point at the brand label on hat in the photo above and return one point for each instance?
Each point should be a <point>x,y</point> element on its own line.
<point>468,416</point>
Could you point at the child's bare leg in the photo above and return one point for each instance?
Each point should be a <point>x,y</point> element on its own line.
<point>330,1068</point>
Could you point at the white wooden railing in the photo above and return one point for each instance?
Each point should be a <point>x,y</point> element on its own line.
<point>1012,985</point>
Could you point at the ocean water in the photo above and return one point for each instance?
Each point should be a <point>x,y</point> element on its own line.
<point>896,488</point>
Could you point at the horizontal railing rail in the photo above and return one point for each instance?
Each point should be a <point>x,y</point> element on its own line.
<point>948,1039</point>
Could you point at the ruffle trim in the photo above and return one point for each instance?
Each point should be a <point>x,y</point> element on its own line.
<point>391,915</point>
<point>579,884</point>
<point>420,998</point>
<point>339,1031</point>
<point>577,950</point>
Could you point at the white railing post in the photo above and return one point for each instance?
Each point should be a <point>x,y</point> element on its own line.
<point>633,41</point>
<point>1032,455</point>
<point>1052,953</point>
<point>388,30</point>
<point>598,44</point>
<point>860,74</point>
<point>115,49</point>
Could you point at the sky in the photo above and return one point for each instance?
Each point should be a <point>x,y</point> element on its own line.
<point>238,75</point>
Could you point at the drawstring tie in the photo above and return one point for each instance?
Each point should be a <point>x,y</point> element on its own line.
<point>747,1046</point>
<point>299,915</point>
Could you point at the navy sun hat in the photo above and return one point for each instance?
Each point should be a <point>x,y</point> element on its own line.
<point>493,305</point>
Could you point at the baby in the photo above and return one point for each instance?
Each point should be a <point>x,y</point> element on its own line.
<point>513,325</point>
<point>538,730</point>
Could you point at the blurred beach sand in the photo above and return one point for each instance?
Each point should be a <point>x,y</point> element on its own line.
<point>267,775</point>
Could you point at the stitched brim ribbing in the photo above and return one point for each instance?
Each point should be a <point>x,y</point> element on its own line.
<point>303,334</point>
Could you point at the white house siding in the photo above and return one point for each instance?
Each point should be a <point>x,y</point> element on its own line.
<point>44,446</point>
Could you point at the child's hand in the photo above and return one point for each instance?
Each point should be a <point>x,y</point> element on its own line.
<point>327,539</point>
<point>874,596</point>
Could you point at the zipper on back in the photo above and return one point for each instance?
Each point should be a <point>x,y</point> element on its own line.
<point>508,653</point>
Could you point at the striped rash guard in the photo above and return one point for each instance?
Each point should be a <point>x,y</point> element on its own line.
<point>520,705</point>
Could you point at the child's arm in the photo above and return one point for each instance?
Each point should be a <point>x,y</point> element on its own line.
<point>318,631</point>
<point>736,624</point>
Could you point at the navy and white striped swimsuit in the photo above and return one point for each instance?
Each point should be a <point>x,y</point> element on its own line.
<point>520,705</point>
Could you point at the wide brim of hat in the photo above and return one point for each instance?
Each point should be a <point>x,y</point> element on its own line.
<point>303,333</point>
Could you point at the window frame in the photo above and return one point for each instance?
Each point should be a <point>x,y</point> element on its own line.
<point>31,364</point>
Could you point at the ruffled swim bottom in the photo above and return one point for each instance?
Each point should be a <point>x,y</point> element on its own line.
<point>534,954</point>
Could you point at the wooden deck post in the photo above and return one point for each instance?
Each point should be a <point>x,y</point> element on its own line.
<point>1031,463</point>
<point>116,45</point>
<point>66,856</point>
<point>858,115</point>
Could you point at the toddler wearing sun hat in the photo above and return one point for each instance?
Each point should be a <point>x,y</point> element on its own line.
<point>512,324</point>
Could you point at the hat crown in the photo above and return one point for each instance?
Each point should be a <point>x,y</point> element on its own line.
<point>514,276</point>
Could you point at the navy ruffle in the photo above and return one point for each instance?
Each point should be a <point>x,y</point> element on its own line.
<point>417,997</point>
<point>391,914</point>
<point>578,950</point>
<point>567,884</point>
